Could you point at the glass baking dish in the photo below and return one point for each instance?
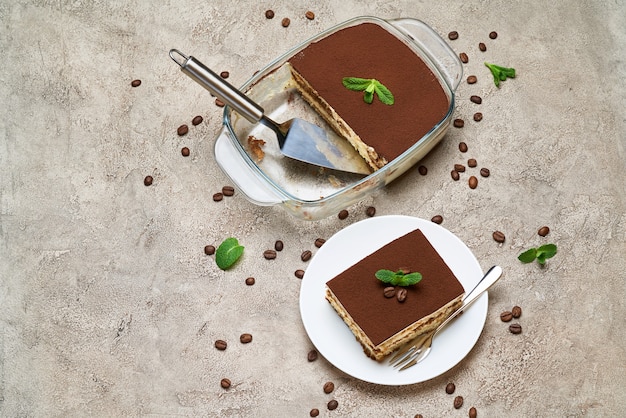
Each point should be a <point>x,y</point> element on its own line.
<point>304,190</point>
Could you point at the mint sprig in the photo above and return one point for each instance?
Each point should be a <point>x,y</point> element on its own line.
<point>369,86</point>
<point>500,73</point>
<point>540,254</point>
<point>228,253</point>
<point>398,278</point>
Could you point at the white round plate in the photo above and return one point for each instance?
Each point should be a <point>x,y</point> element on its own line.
<point>332,337</point>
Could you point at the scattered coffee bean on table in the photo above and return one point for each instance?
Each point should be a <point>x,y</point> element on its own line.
<point>438,219</point>
<point>472,413</point>
<point>389,292</point>
<point>422,170</point>
<point>269,254</point>
<point>472,162</point>
<point>219,103</point>
<point>299,273</point>
<point>221,345</point>
<point>459,168</point>
<point>493,35</point>
<point>484,172</point>
<point>209,249</point>
<point>515,328</point>
<point>506,316</point>
<point>516,312</point>
<point>370,211</point>
<point>462,147</point>
<point>224,74</point>
<point>401,294</point>
<point>147,181</point>
<point>225,383</point>
<point>314,412</point>
<point>472,182</point>
<point>458,123</point>
<point>250,281</point>
<point>328,387</point>
<point>458,402</point>
<point>228,190</point>
<point>278,245</point>
<point>245,338</point>
<point>498,236</point>
<point>543,231</point>
<point>332,405</point>
<point>217,197</point>
<point>450,388</point>
<point>309,15</point>
<point>197,120</point>
<point>306,255</point>
<point>285,22</point>
<point>343,214</point>
<point>482,46</point>
<point>269,14</point>
<point>463,57</point>
<point>312,355</point>
<point>472,79</point>
<point>182,130</point>
<point>418,416</point>
<point>184,151</point>
<point>453,35</point>
<point>319,242</point>
<point>135,83</point>
<point>478,117</point>
<point>455,175</point>
<point>476,99</point>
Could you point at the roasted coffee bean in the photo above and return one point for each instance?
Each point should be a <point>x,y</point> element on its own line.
<point>472,412</point>
<point>462,147</point>
<point>224,74</point>
<point>147,181</point>
<point>459,168</point>
<point>438,219</point>
<point>482,46</point>
<point>472,79</point>
<point>493,35</point>
<point>418,416</point>
<point>458,402</point>
<point>370,211</point>
<point>197,120</point>
<point>498,236</point>
<point>450,388</point>
<point>225,383</point>
<point>476,99</point>
<point>285,22</point>
<point>453,35</point>
<point>314,412</point>
<point>472,162</point>
<point>306,255</point>
<point>478,117</point>
<point>484,172</point>
<point>329,387</point>
<point>343,214</point>
<point>515,328</point>
<point>269,14</point>
<point>389,292</point>
<point>422,170</point>
<point>135,83</point>
<point>209,249</point>
<point>269,254</point>
<point>221,345</point>
<point>299,273</point>
<point>228,190</point>
<point>455,175</point>
<point>543,231</point>
<point>184,151</point>
<point>217,197</point>
<point>458,123</point>
<point>319,242</point>
<point>472,182</point>
<point>309,15</point>
<point>278,245</point>
<point>182,130</point>
<point>401,294</point>
<point>245,338</point>
<point>250,281</point>
<point>332,405</point>
<point>516,312</point>
<point>464,58</point>
<point>219,103</point>
<point>312,355</point>
<point>506,316</point>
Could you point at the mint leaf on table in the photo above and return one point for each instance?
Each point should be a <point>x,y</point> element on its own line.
<point>500,73</point>
<point>540,254</point>
<point>228,253</point>
<point>398,278</point>
<point>369,86</point>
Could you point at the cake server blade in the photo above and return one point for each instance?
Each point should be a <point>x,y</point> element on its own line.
<point>297,138</point>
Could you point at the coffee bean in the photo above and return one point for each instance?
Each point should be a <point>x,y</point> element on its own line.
<point>182,130</point>
<point>464,58</point>
<point>312,355</point>
<point>453,35</point>
<point>343,214</point>
<point>217,197</point>
<point>458,123</point>
<point>306,255</point>
<point>472,162</point>
<point>185,152</point>
<point>506,316</point>
<point>278,245</point>
<point>516,312</point>
<point>455,175</point>
<point>225,383</point>
<point>478,117</point>
<point>285,22</point>
<point>476,99</point>
<point>299,273</point>
<point>219,103</point>
<point>329,387</point>
<point>458,402</point>
<point>472,79</point>
<point>422,170</point>
<point>221,345</point>
<point>543,231</point>
<point>472,412</point>
<point>309,15</point>
<point>135,83</point>
<point>209,249</point>
<point>319,242</point>
<point>370,211</point>
<point>197,120</point>
<point>459,168</point>
<point>515,328</point>
<point>250,281</point>
<point>472,182</point>
<point>269,14</point>
<point>498,236</point>
<point>438,219</point>
<point>228,190</point>
<point>462,147</point>
<point>493,35</point>
<point>482,46</point>
<point>484,172</point>
<point>401,294</point>
<point>314,412</point>
<point>245,338</point>
<point>269,254</point>
<point>332,405</point>
<point>389,292</point>
<point>418,416</point>
<point>224,74</point>
<point>147,181</point>
<point>450,388</point>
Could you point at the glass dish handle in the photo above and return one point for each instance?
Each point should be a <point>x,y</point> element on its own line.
<point>434,45</point>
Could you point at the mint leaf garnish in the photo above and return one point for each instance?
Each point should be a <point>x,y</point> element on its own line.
<point>500,73</point>
<point>398,278</point>
<point>369,86</point>
<point>228,253</point>
<point>540,254</point>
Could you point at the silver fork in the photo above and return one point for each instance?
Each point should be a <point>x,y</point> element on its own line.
<point>416,350</point>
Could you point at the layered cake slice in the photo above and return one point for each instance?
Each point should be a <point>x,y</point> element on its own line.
<point>379,132</point>
<point>381,323</point>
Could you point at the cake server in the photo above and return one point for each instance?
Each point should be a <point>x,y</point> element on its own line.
<point>297,138</point>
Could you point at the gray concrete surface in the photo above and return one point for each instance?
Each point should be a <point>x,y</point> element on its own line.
<point>108,306</point>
